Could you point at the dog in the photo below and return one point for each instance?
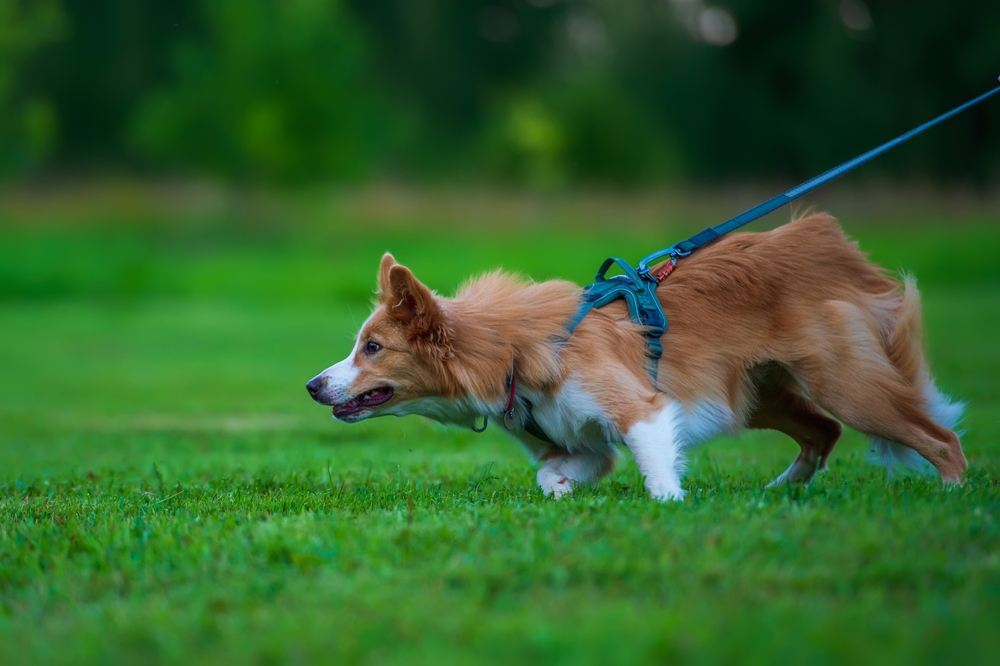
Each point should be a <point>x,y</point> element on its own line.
<point>780,330</point>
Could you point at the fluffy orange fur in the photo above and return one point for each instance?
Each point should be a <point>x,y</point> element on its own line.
<point>782,329</point>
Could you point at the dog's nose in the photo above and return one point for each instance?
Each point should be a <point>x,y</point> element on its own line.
<point>315,385</point>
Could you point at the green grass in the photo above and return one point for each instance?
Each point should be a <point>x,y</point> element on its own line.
<point>169,494</point>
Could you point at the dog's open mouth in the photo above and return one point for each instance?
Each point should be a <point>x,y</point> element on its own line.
<point>366,400</point>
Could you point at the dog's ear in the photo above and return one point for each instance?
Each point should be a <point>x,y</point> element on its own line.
<point>383,276</point>
<point>413,305</point>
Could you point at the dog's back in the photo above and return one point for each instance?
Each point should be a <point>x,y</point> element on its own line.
<point>795,318</point>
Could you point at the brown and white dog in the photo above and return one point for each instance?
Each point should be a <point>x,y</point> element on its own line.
<point>774,330</point>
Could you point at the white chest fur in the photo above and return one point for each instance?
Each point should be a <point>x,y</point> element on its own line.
<point>573,418</point>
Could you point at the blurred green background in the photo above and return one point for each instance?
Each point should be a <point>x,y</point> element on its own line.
<point>544,93</point>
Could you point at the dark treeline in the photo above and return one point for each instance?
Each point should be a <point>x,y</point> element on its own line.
<point>543,92</point>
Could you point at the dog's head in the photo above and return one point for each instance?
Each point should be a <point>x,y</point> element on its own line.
<point>400,354</point>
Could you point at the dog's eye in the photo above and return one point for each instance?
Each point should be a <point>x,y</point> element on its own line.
<point>372,347</point>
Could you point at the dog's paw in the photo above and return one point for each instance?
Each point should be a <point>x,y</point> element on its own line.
<point>797,472</point>
<point>665,491</point>
<point>553,482</point>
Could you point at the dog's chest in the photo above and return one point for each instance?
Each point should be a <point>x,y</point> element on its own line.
<point>572,417</point>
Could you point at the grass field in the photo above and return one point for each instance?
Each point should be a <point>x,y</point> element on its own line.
<point>169,493</point>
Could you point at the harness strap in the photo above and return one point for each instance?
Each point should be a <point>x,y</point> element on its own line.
<point>639,293</point>
<point>532,428</point>
<point>530,424</point>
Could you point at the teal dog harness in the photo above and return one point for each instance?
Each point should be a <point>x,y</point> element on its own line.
<point>638,288</point>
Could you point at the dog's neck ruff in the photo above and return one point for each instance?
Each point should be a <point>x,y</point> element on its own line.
<point>638,285</point>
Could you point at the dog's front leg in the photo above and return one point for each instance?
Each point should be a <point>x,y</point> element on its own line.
<point>657,448</point>
<point>562,470</point>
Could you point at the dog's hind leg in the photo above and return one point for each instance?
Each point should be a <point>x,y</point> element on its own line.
<point>850,374</point>
<point>562,471</point>
<point>781,407</point>
<point>893,456</point>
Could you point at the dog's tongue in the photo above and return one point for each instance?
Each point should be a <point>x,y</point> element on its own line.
<point>347,408</point>
<point>371,398</point>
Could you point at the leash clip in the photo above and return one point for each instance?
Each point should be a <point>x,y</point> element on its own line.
<point>672,254</point>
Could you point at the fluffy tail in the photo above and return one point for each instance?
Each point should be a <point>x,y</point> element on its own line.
<point>904,346</point>
<point>904,338</point>
<point>898,458</point>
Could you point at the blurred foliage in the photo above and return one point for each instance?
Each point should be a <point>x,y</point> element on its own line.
<point>274,91</point>
<point>27,123</point>
<point>543,92</point>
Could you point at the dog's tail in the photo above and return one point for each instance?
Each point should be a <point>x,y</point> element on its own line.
<point>904,347</point>
<point>904,335</point>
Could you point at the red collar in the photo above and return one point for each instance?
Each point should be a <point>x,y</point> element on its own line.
<point>508,414</point>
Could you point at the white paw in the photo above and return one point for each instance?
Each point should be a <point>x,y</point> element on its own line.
<point>553,482</point>
<point>665,491</point>
<point>797,472</point>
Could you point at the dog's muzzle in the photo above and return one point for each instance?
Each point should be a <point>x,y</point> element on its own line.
<point>315,386</point>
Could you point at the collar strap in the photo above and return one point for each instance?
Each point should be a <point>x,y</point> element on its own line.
<point>530,425</point>
<point>508,414</point>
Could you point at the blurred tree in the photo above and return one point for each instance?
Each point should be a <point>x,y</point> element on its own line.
<point>516,89</point>
<point>582,129</point>
<point>536,91</point>
<point>274,91</point>
<point>449,64</point>
<point>27,122</point>
<point>107,60</point>
<point>804,84</point>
